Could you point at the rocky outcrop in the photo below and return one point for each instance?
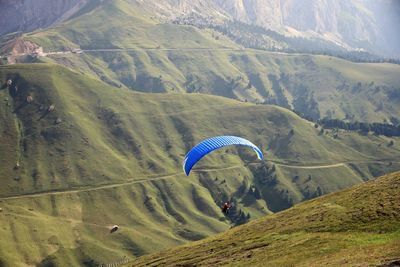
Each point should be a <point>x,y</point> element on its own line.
<point>171,9</point>
<point>29,15</point>
<point>18,47</point>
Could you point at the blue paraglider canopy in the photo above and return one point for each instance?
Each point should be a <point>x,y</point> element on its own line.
<point>208,145</point>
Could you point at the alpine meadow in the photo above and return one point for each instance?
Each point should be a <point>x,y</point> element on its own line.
<point>199,133</point>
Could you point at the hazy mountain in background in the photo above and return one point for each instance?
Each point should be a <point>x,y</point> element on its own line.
<point>358,24</point>
<point>387,14</point>
<point>29,15</point>
<point>343,22</point>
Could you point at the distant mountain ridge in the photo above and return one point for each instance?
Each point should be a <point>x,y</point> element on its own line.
<point>160,55</point>
<point>29,15</point>
<point>353,25</point>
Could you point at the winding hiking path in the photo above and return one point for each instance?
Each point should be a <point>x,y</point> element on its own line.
<point>94,188</point>
<point>100,187</point>
<point>80,51</point>
<point>183,49</point>
<point>341,164</point>
<point>333,165</point>
<point>176,175</point>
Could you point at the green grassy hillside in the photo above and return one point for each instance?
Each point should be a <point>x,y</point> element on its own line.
<point>359,226</point>
<point>107,156</point>
<point>318,86</point>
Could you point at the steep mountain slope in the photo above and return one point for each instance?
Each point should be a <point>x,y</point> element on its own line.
<point>139,52</point>
<point>97,118</point>
<point>23,15</point>
<point>82,156</point>
<point>358,226</point>
<point>347,23</point>
<point>78,155</point>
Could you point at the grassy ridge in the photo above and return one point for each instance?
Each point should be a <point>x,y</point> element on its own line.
<point>358,226</point>
<point>135,134</point>
<point>115,158</point>
<point>107,155</point>
<point>339,88</point>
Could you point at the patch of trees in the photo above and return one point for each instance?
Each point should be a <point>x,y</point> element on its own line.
<point>152,84</point>
<point>393,94</point>
<point>305,103</point>
<point>266,174</point>
<point>363,127</point>
<point>370,90</point>
<point>237,215</point>
<point>253,36</point>
<point>279,98</point>
<point>395,121</point>
<point>360,57</point>
<point>385,129</point>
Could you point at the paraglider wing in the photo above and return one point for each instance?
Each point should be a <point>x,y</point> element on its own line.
<point>211,144</point>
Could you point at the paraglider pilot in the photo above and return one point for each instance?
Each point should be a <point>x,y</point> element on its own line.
<point>226,207</point>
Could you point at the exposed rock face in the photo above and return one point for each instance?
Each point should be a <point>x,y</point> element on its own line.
<point>314,15</point>
<point>366,24</point>
<point>263,13</point>
<point>343,21</point>
<point>18,47</point>
<point>348,22</point>
<point>175,8</point>
<point>28,15</point>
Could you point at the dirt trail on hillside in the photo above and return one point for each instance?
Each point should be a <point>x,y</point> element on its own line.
<point>342,164</point>
<point>333,165</point>
<point>131,182</point>
<point>105,50</point>
<point>78,190</point>
<point>176,175</point>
